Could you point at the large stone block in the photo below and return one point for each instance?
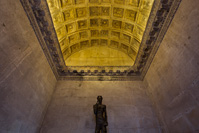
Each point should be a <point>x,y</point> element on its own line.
<point>26,80</point>
<point>193,117</point>
<point>173,75</point>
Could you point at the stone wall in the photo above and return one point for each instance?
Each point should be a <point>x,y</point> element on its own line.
<point>129,109</point>
<point>173,77</point>
<point>26,80</point>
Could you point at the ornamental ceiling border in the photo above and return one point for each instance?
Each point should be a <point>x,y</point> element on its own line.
<point>160,18</point>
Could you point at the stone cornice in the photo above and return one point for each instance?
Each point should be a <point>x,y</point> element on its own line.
<point>160,18</point>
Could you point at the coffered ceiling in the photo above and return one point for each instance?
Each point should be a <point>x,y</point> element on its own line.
<point>100,39</point>
<point>117,24</point>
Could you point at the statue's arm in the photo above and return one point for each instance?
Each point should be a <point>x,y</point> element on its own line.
<point>105,114</point>
<point>95,109</point>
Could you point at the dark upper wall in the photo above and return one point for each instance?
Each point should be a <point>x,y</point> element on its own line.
<point>26,80</point>
<point>173,77</point>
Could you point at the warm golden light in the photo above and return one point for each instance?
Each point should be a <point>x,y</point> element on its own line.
<point>98,25</point>
<point>99,56</point>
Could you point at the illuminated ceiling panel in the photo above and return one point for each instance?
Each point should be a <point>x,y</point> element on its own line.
<point>100,39</point>
<point>117,24</point>
<point>99,56</point>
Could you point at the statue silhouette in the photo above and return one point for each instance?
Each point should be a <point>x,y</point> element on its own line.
<point>101,116</point>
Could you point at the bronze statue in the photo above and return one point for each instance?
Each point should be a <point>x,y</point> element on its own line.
<point>101,116</point>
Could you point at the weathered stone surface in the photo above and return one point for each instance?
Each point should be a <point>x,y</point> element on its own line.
<point>193,117</point>
<point>172,79</point>
<point>27,83</point>
<point>177,127</point>
<point>26,80</point>
<point>71,109</point>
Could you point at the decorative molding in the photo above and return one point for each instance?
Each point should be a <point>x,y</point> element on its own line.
<point>160,18</point>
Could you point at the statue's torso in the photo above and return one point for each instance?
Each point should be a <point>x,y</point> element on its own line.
<point>100,110</point>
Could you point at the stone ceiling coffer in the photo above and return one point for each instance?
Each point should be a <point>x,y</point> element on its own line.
<point>119,22</point>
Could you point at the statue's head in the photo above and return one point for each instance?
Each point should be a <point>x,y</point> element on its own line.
<point>99,99</point>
